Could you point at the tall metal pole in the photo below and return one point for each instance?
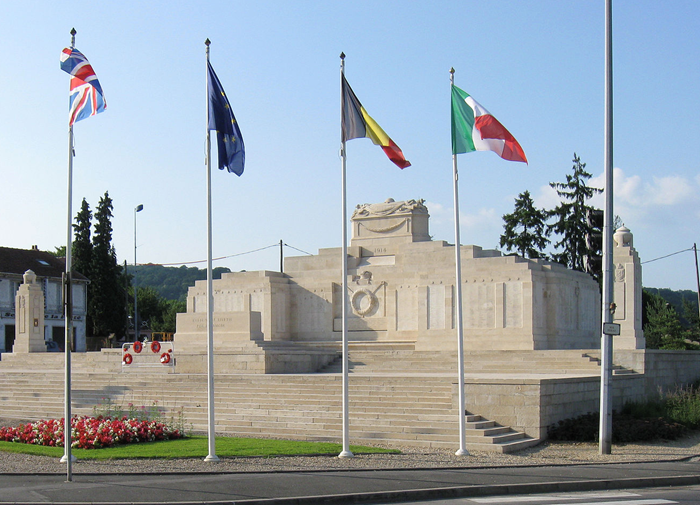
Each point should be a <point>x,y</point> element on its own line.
<point>462,451</point>
<point>697,276</point>
<point>68,305</point>
<point>211,433</point>
<point>345,453</point>
<point>138,208</point>
<point>605,433</point>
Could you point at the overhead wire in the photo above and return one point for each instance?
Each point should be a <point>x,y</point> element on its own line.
<point>667,256</point>
<point>228,256</point>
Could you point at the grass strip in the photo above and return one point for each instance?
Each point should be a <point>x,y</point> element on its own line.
<point>197,447</point>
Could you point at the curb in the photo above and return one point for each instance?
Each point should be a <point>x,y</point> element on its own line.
<point>468,491</point>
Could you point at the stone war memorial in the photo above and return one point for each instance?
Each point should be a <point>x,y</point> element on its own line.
<point>531,344</point>
<point>401,291</point>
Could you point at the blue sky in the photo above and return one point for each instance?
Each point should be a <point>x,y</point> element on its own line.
<point>536,65</point>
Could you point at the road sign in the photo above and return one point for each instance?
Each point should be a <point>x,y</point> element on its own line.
<point>611,328</point>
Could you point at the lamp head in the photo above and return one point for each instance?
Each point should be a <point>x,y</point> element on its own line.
<point>139,208</point>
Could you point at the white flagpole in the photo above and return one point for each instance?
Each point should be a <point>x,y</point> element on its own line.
<point>605,438</point>
<point>460,336</point>
<point>345,453</point>
<point>68,306</point>
<point>211,434</point>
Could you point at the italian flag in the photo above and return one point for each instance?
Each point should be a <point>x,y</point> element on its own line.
<point>356,124</point>
<point>475,129</point>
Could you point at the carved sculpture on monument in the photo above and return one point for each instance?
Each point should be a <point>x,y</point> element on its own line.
<point>29,310</point>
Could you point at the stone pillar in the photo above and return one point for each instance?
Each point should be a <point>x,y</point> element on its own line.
<point>29,316</point>
<point>627,274</point>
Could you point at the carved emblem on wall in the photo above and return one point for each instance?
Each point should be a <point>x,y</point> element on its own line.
<point>619,272</point>
<point>363,302</point>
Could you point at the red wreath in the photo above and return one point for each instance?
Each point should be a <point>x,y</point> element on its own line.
<point>165,358</point>
<point>138,347</point>
<point>127,359</point>
<point>155,346</point>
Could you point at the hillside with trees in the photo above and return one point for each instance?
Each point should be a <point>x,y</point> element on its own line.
<point>171,283</point>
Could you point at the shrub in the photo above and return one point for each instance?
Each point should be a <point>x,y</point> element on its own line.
<point>683,406</point>
<point>625,429</point>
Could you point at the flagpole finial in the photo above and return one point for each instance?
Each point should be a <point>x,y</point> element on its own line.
<point>72,37</point>
<point>207,42</point>
<point>452,70</point>
<point>73,32</point>
<point>342,56</point>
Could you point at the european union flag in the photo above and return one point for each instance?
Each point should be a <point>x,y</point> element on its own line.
<point>221,119</point>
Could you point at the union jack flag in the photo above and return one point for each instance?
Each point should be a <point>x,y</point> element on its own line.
<point>86,98</point>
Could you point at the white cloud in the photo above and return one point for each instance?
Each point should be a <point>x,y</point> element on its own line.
<point>546,198</point>
<point>633,192</point>
<point>475,228</point>
<point>482,220</point>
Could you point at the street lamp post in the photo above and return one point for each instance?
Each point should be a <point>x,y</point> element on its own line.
<point>138,208</point>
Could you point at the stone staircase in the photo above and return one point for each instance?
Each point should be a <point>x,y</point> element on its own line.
<point>396,411</point>
<point>368,358</point>
<point>397,396</point>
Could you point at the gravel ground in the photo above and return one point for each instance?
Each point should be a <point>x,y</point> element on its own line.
<point>411,457</point>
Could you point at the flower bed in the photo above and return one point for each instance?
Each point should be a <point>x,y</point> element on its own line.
<point>91,432</point>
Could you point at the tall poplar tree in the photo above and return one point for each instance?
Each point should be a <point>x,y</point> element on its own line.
<point>82,245</point>
<point>106,304</point>
<point>525,229</point>
<point>570,217</point>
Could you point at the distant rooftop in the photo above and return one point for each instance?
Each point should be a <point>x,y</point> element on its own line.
<point>42,263</point>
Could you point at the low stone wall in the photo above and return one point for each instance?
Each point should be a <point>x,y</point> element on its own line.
<point>533,404</point>
<point>666,370</point>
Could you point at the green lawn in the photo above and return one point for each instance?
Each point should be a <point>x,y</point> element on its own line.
<point>197,447</point>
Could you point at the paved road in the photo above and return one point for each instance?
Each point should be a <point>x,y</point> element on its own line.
<point>684,495</point>
<point>339,487</point>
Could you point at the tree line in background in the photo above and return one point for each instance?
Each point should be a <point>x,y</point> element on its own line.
<point>172,282</point>
<point>670,318</point>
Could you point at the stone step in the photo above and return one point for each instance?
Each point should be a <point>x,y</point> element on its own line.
<point>395,410</point>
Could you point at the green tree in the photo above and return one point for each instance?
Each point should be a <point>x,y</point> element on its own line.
<point>525,229</point>
<point>570,217</point>
<point>690,313</point>
<point>663,329</point>
<point>106,300</point>
<point>60,251</point>
<point>150,305</point>
<point>157,312</point>
<point>82,245</point>
<point>170,309</point>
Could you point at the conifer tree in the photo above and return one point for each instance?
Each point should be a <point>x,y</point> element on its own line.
<point>570,217</point>
<point>525,229</point>
<point>82,245</point>
<point>106,303</point>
